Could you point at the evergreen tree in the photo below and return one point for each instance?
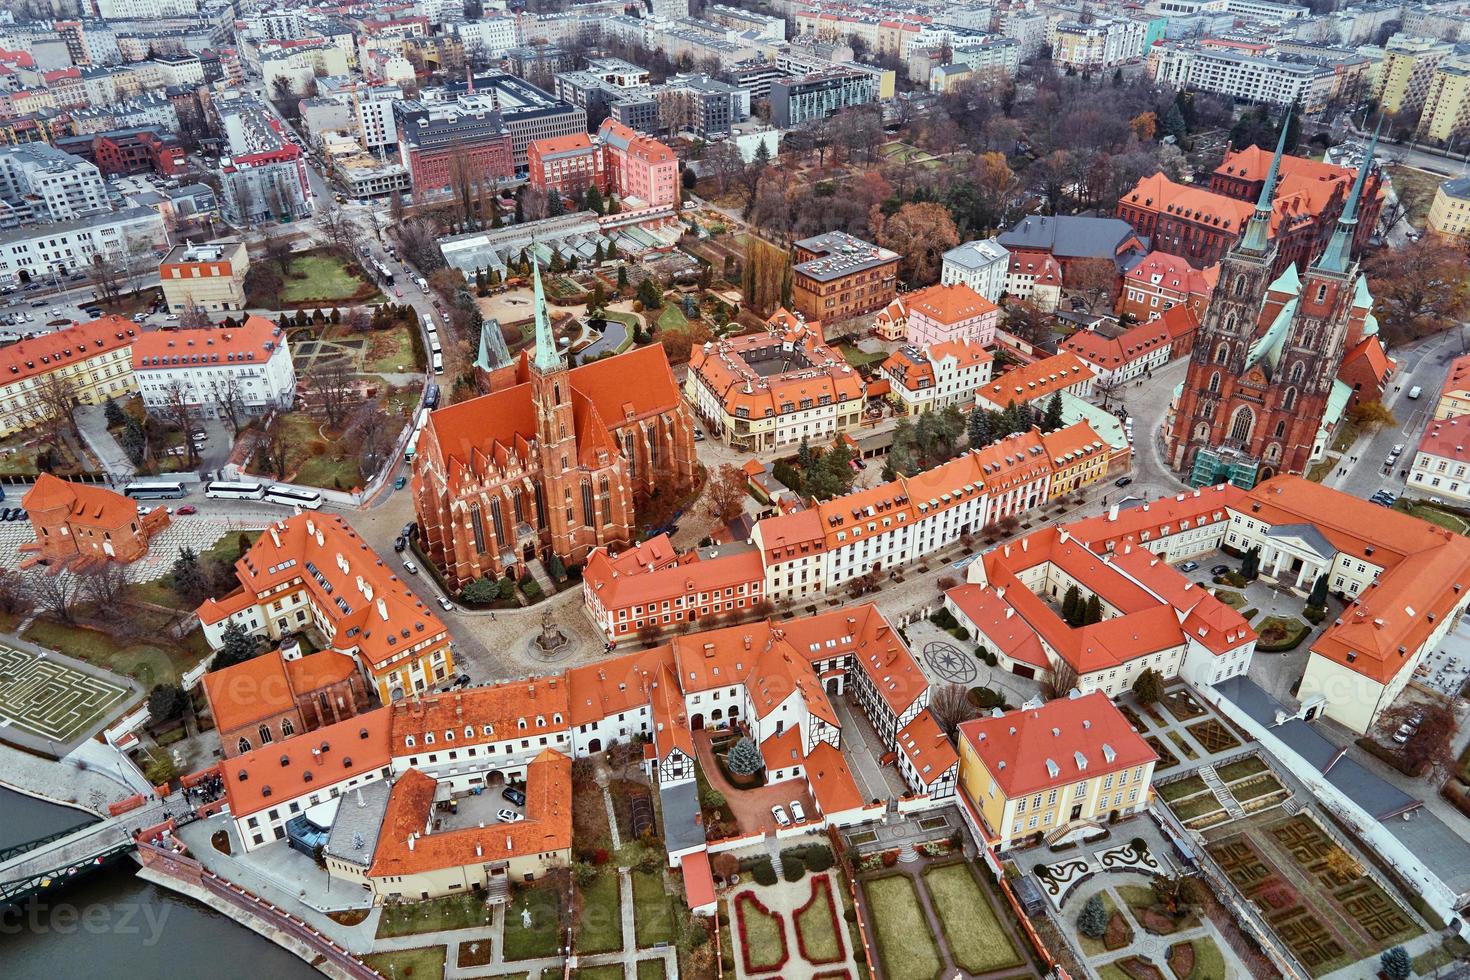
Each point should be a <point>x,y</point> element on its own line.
<point>649,294</point>
<point>236,646</point>
<point>1052,420</point>
<point>495,219</point>
<point>978,429</point>
<point>745,758</point>
<point>597,253</point>
<point>1250,565</point>
<point>592,201</point>
<point>622,277</point>
<point>1071,599</point>
<point>599,297</point>
<point>113,413</point>
<point>1293,129</point>
<point>1149,688</point>
<point>520,212</point>
<point>1174,123</point>
<point>1396,964</point>
<point>1092,921</point>
<point>1093,612</point>
<point>804,455</point>
<point>1319,592</point>
<point>190,582</point>
<point>133,441</point>
<point>554,206</point>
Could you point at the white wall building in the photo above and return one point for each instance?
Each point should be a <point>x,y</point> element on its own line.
<point>982,265</point>
<point>247,367</point>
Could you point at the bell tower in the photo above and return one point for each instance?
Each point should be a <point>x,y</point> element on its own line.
<point>556,431</point>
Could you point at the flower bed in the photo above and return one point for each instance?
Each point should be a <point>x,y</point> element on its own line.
<point>818,934</point>
<point>764,928</point>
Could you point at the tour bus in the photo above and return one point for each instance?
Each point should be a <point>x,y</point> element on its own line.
<point>291,497</point>
<point>153,490</point>
<point>438,363</point>
<point>413,439</point>
<point>434,346</point>
<point>219,489</point>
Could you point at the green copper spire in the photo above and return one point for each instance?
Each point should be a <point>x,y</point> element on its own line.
<point>1339,250</point>
<point>547,357</point>
<point>1258,230</point>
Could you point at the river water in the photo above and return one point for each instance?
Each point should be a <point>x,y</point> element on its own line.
<point>114,924</point>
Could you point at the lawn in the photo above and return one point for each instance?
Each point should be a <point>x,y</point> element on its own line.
<point>1432,514</point>
<point>1207,962</point>
<point>1183,745</point>
<point>762,935</point>
<point>1184,787</point>
<point>977,941</point>
<point>1320,469</point>
<point>423,963</point>
<point>318,278</point>
<point>859,358</point>
<point>600,926</point>
<point>314,459</point>
<point>1231,598</point>
<point>1258,786</point>
<point>1422,185</point>
<point>1347,434</point>
<point>435,915</point>
<point>651,970</point>
<point>1196,806</point>
<point>905,945</point>
<point>671,317</point>
<point>653,916</point>
<point>146,663</point>
<point>1241,768</point>
<point>541,938</point>
<point>1147,912</point>
<point>816,924</point>
<point>613,971</point>
<point>390,351</point>
<point>160,591</point>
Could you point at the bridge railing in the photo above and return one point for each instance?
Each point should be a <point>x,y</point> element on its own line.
<point>189,871</point>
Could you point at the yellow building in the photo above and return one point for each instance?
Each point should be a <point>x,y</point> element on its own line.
<point>1449,215</point>
<point>1454,397</point>
<point>85,364</point>
<point>1446,115</point>
<point>205,277</point>
<point>1035,774</point>
<point>1404,74</point>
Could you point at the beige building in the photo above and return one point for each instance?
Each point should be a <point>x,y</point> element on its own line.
<point>1449,215</point>
<point>1454,397</point>
<point>205,277</point>
<point>1446,115</point>
<point>1037,774</point>
<point>89,363</point>
<point>1404,74</point>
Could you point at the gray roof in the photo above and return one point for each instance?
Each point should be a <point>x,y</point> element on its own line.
<point>1458,188</point>
<point>682,827</point>
<point>354,835</point>
<point>974,255</point>
<point>1313,538</point>
<point>1069,236</point>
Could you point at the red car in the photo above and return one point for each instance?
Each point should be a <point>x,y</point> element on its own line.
<point>397,292</point>
<point>187,509</point>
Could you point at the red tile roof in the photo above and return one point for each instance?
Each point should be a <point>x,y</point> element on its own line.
<point>273,775</point>
<point>43,354</point>
<point>1038,380</point>
<point>84,503</point>
<point>1061,742</point>
<point>254,341</point>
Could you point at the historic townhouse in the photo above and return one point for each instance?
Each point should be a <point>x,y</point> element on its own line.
<point>1127,355</point>
<point>1037,382</point>
<point>312,572</point>
<point>272,697</point>
<point>89,363</point>
<point>934,377</point>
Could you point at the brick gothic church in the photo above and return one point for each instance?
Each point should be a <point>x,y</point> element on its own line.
<point>1263,394</point>
<point>551,463</point>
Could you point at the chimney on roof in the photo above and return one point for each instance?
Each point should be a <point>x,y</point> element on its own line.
<point>410,841</point>
<point>276,538</point>
<point>383,610</point>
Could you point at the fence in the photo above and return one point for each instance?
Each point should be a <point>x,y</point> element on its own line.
<point>126,725</point>
<point>328,956</point>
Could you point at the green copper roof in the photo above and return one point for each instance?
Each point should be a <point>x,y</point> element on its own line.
<point>547,357</point>
<point>1258,230</point>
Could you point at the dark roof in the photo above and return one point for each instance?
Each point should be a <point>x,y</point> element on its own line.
<point>682,826</point>
<point>1070,236</point>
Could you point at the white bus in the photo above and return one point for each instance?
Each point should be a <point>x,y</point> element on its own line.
<point>219,489</point>
<point>438,362</point>
<point>413,439</point>
<point>291,497</point>
<point>434,346</point>
<point>153,490</point>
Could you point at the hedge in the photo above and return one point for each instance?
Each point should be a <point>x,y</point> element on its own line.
<point>1412,769</point>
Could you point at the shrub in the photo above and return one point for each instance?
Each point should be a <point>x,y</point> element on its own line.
<point>1314,614</point>
<point>745,758</point>
<point>890,858</point>
<point>850,914</point>
<point>763,872</point>
<point>792,868</point>
<point>1092,921</point>
<point>1396,964</point>
<point>985,698</point>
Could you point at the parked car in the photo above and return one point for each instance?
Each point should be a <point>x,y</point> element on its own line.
<point>1398,449</point>
<point>445,604</point>
<point>1189,566</point>
<point>19,514</point>
<point>400,483</point>
<point>782,820</point>
<point>407,531</point>
<point>508,816</point>
<point>1220,569</point>
<point>797,813</point>
<point>1402,735</point>
<point>1122,481</point>
<point>399,543</point>
<point>1415,391</point>
<point>514,795</point>
<point>410,567</point>
<point>4,514</point>
<point>187,509</point>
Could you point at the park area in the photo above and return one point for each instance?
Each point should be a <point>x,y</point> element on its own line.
<point>1315,895</point>
<point>314,279</point>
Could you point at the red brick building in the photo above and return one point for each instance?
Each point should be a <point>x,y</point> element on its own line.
<point>81,524</point>
<point>137,151</point>
<point>269,698</point>
<point>567,165</point>
<point>1161,282</point>
<point>837,276</point>
<point>550,467</point>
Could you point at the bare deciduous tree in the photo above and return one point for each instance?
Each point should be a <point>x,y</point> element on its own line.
<point>368,429</point>
<point>332,389</point>
<point>178,408</point>
<point>53,406</point>
<point>274,450</point>
<point>229,397</point>
<point>336,224</point>
<point>103,586</point>
<point>278,250</point>
<point>15,593</point>
<point>950,705</point>
<point>105,277</point>
<point>56,595</point>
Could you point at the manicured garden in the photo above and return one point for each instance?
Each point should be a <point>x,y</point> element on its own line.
<point>148,663</point>
<point>905,942</point>
<point>435,915</point>
<point>1278,634</point>
<point>977,941</point>
<point>319,278</point>
<point>1167,759</point>
<point>1179,789</point>
<point>653,916</point>
<point>542,937</point>
<point>817,932</point>
<point>1197,959</point>
<point>423,963</point>
<point>762,935</point>
<point>1213,735</point>
<point>600,923</point>
<point>651,970</point>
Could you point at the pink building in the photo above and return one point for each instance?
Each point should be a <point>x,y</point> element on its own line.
<point>941,314</point>
<point>640,167</point>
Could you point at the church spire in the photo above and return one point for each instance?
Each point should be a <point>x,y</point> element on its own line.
<point>1339,249</point>
<point>1258,230</point>
<point>547,357</point>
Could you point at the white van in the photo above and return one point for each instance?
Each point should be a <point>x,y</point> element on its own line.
<point>1415,391</point>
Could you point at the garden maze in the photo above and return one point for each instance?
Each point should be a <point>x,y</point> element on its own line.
<point>50,700</point>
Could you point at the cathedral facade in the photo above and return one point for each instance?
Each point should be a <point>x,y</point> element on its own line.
<point>549,467</point>
<point>1263,393</point>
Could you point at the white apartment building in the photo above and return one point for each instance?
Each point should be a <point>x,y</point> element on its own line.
<point>41,183</point>
<point>489,36</point>
<point>145,9</point>
<point>982,265</point>
<point>247,367</point>
<point>1441,466</point>
<point>1100,44</point>
<point>1242,76</point>
<point>94,359</point>
<point>65,247</point>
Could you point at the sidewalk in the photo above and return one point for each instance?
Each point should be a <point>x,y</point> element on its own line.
<point>92,426</point>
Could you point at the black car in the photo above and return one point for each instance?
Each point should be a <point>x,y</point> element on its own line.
<point>1122,481</point>
<point>399,543</point>
<point>4,514</point>
<point>407,531</point>
<point>513,795</point>
<point>463,680</point>
<point>1219,569</point>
